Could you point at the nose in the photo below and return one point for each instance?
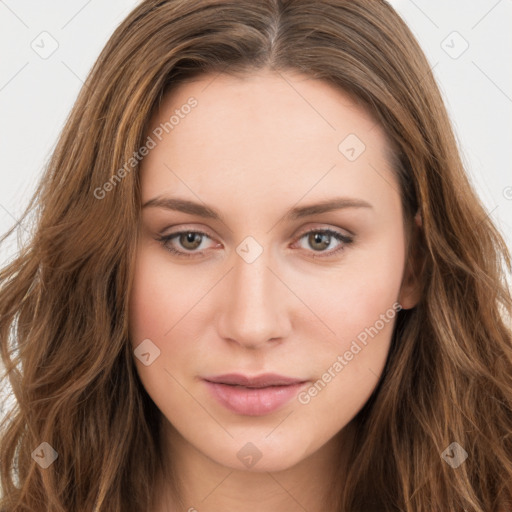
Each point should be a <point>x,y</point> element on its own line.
<point>255,311</point>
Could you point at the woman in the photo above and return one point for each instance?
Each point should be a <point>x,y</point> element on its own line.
<point>259,279</point>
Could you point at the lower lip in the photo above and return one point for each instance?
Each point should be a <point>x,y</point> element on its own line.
<point>253,401</point>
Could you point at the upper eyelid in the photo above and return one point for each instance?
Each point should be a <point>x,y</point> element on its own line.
<point>319,227</point>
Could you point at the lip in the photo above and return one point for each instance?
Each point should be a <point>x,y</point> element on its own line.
<point>253,396</point>
<point>257,381</point>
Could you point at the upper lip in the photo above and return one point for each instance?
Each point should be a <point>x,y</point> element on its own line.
<point>257,381</point>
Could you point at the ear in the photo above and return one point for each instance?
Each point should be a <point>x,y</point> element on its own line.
<point>410,290</point>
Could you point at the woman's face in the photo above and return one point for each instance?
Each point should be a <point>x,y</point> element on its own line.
<point>265,282</point>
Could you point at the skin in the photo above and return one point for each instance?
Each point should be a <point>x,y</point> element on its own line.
<point>252,148</point>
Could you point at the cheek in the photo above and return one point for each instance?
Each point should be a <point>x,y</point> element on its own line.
<point>164,301</point>
<point>359,304</point>
<point>356,302</point>
<point>154,309</point>
<point>157,296</point>
<point>363,287</point>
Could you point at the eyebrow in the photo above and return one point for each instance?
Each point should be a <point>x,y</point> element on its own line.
<point>203,210</point>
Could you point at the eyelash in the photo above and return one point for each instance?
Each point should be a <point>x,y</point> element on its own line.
<point>181,254</point>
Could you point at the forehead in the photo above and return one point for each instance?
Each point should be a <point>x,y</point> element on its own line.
<point>266,101</point>
<point>254,133</point>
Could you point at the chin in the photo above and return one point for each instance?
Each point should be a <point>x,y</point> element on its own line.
<point>256,454</point>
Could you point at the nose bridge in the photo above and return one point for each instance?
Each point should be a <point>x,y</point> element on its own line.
<point>254,312</point>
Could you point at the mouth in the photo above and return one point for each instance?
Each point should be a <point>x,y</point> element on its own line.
<point>253,396</point>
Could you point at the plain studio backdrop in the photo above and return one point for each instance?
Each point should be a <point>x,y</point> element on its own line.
<point>48,49</point>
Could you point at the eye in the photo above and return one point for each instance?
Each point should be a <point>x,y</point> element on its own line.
<point>318,239</point>
<point>190,240</point>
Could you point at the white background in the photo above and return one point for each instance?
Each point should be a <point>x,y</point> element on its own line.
<point>36,94</point>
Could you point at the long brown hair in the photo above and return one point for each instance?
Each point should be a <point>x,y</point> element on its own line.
<point>63,300</point>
